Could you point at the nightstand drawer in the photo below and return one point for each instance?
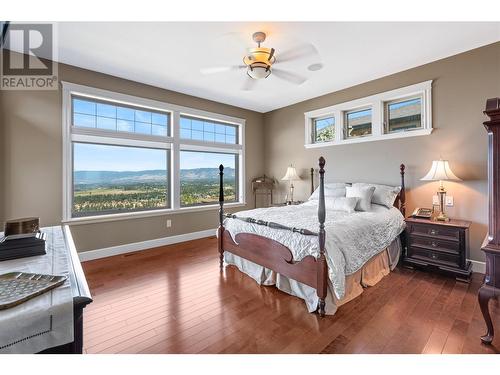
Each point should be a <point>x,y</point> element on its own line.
<point>433,243</point>
<point>434,256</point>
<point>437,231</point>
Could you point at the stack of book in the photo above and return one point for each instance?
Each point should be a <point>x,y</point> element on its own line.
<point>22,245</point>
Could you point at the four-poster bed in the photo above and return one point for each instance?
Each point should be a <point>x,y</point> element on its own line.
<point>310,270</point>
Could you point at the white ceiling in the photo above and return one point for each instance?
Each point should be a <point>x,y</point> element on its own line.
<point>170,55</point>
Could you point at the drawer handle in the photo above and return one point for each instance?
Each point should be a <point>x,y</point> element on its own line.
<point>433,232</point>
<point>433,256</point>
<point>434,244</point>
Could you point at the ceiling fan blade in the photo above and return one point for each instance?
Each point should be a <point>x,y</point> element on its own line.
<point>220,69</point>
<point>249,84</point>
<point>271,55</point>
<point>298,52</point>
<point>288,76</point>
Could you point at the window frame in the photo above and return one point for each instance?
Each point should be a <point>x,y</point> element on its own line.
<point>173,142</point>
<point>377,104</point>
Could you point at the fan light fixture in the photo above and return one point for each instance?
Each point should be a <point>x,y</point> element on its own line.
<point>259,60</point>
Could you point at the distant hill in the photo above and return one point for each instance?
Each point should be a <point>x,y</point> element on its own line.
<point>155,175</point>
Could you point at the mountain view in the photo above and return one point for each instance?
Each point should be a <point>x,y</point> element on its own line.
<point>102,191</point>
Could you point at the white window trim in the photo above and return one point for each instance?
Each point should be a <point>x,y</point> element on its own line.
<point>376,103</point>
<point>173,143</point>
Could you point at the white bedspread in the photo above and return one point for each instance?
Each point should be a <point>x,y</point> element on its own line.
<point>351,239</point>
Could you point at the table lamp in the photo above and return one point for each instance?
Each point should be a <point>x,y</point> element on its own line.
<point>440,171</point>
<point>291,175</point>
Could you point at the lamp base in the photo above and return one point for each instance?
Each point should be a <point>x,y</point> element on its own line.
<point>442,217</point>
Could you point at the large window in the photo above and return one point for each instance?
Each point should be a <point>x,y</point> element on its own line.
<point>112,179</point>
<point>399,113</point>
<point>200,177</point>
<point>126,155</point>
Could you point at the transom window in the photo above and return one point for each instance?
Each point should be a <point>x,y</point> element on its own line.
<point>358,123</point>
<point>126,155</point>
<point>207,130</point>
<point>324,129</point>
<point>403,115</point>
<point>91,113</point>
<point>403,112</point>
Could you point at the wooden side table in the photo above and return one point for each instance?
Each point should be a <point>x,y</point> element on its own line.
<point>438,245</point>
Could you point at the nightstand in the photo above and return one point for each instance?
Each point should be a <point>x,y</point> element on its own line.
<point>437,245</point>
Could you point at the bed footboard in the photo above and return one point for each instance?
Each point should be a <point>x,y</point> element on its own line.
<point>268,253</point>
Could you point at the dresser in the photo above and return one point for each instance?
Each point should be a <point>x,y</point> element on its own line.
<point>51,322</point>
<point>437,245</point>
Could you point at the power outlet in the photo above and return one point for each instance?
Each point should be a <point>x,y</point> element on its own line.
<point>435,200</point>
<point>169,223</point>
<point>449,200</point>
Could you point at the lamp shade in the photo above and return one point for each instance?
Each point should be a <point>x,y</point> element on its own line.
<point>440,171</point>
<point>291,175</point>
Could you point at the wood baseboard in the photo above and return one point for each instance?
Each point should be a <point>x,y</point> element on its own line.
<point>143,245</point>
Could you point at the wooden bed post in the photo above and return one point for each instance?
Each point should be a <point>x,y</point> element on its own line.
<point>322,271</point>
<point>220,230</point>
<point>402,194</point>
<point>312,180</point>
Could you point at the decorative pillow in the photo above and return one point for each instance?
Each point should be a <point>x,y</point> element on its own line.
<point>384,195</point>
<point>364,193</point>
<point>332,190</point>
<point>342,204</point>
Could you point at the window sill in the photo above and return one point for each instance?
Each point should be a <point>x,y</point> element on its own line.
<point>144,214</point>
<point>372,138</point>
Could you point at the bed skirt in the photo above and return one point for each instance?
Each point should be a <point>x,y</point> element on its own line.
<point>370,274</point>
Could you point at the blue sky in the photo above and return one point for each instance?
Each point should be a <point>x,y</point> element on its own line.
<point>88,157</point>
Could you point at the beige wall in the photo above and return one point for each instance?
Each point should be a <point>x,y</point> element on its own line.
<point>462,84</point>
<point>32,158</point>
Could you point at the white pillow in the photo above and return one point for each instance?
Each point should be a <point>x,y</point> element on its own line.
<point>364,193</point>
<point>332,190</point>
<point>384,195</point>
<point>342,204</point>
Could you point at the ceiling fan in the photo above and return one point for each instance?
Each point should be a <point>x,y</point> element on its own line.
<point>260,62</point>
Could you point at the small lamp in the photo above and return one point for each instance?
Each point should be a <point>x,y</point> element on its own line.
<point>291,175</point>
<point>440,171</point>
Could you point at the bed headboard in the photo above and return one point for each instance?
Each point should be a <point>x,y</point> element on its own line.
<point>399,203</point>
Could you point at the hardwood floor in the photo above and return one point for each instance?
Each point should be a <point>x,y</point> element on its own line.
<point>174,299</point>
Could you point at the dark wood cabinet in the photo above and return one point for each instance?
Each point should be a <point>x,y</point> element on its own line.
<point>437,245</point>
<point>491,244</point>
